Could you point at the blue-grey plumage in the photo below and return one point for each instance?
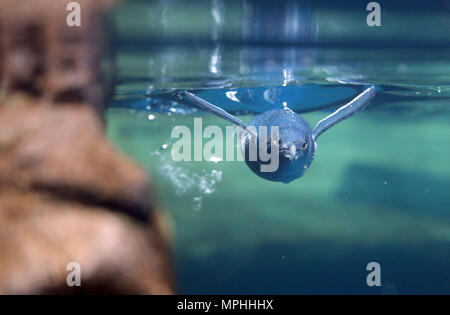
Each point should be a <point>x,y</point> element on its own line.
<point>296,141</point>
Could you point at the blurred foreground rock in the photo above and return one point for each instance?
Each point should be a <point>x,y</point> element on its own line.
<point>65,194</point>
<point>43,56</point>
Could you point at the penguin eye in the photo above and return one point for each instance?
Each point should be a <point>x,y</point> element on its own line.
<point>304,145</point>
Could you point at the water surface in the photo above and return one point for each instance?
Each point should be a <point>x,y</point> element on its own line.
<point>378,187</point>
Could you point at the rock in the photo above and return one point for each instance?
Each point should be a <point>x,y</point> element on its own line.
<point>46,58</point>
<point>65,194</point>
<point>62,150</point>
<point>41,234</point>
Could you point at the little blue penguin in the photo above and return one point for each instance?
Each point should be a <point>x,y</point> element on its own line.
<point>295,140</point>
<point>294,143</point>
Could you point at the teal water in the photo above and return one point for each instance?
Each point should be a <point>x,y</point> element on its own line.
<point>378,187</point>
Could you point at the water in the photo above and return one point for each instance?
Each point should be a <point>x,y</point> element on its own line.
<point>378,187</point>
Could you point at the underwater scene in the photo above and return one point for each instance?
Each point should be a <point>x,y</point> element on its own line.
<point>378,189</point>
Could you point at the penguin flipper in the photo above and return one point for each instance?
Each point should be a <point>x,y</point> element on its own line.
<point>198,102</point>
<point>355,105</point>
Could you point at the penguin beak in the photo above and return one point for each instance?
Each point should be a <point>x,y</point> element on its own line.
<point>291,154</point>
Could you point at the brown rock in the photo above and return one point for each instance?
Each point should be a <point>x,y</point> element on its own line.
<point>45,57</point>
<point>41,234</point>
<point>63,150</point>
<point>66,195</point>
